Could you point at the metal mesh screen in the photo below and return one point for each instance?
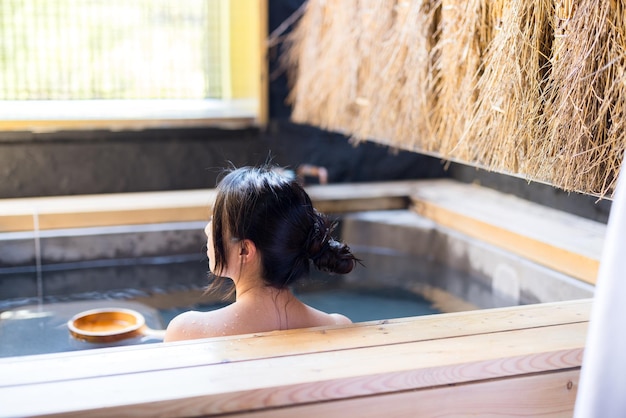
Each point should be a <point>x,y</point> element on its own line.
<point>110,49</point>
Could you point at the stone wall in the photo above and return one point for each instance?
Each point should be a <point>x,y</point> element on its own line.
<point>67,163</point>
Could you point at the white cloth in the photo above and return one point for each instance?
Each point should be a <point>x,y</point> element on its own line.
<point>602,387</point>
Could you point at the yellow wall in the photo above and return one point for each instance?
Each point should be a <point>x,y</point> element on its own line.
<point>245,53</point>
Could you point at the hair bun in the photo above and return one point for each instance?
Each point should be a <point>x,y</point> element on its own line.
<point>326,253</point>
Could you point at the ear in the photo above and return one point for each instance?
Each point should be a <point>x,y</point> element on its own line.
<point>247,251</point>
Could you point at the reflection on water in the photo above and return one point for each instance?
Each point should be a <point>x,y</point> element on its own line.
<point>101,279</point>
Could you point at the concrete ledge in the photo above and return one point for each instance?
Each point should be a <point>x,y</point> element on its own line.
<point>465,267</point>
<point>555,239</point>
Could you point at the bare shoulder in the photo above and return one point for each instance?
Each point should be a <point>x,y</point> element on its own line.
<point>192,325</point>
<point>315,318</point>
<point>182,327</point>
<point>340,319</point>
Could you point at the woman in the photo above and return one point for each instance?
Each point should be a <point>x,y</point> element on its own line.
<point>263,235</point>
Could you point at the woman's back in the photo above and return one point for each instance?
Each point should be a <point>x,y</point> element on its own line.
<point>264,236</point>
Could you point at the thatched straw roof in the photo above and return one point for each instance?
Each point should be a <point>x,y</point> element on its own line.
<point>534,88</point>
<point>585,120</point>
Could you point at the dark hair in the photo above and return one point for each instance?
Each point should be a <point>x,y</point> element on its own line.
<point>276,214</point>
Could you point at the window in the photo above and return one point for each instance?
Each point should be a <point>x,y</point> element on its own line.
<point>116,63</point>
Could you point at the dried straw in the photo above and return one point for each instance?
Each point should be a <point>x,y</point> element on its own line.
<point>584,143</point>
<point>398,91</point>
<point>465,30</point>
<point>534,88</point>
<point>508,109</point>
<point>314,63</point>
<point>363,68</point>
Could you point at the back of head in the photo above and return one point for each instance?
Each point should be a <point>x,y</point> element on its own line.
<point>275,212</point>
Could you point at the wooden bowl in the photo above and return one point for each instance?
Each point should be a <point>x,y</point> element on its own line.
<point>107,325</point>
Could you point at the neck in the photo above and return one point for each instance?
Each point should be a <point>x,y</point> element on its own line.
<point>258,290</point>
<point>269,303</point>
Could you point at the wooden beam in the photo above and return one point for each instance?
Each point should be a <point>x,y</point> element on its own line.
<point>104,210</point>
<point>304,378</point>
<point>54,125</point>
<point>86,364</point>
<point>299,367</point>
<point>541,395</point>
<point>264,76</point>
<point>176,206</point>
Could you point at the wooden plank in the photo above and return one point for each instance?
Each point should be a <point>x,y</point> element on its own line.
<point>104,210</point>
<point>91,363</point>
<point>300,379</point>
<point>53,125</point>
<point>176,206</point>
<point>359,205</point>
<point>558,240</point>
<point>541,395</point>
<point>264,76</point>
<point>362,190</point>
